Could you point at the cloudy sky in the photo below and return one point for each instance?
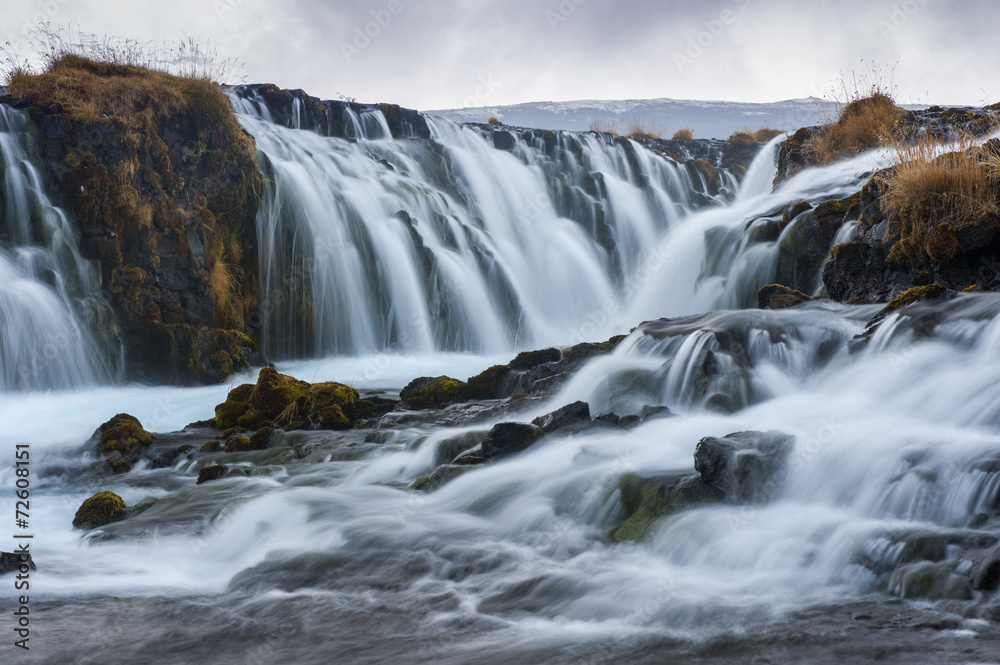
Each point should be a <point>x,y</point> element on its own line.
<point>430,54</point>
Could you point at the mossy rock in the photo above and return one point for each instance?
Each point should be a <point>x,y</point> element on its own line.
<point>491,383</point>
<point>123,434</point>
<point>646,500</point>
<point>433,392</point>
<point>100,509</point>
<point>930,292</point>
<point>529,359</point>
<point>440,476</point>
<point>213,472</point>
<point>778,296</point>
<point>278,400</point>
<point>239,444</point>
<point>794,211</point>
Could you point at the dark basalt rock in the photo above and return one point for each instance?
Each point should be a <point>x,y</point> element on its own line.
<point>161,201</point>
<point>329,117</point>
<point>573,417</point>
<point>746,467</point>
<point>743,467</point>
<point>12,562</point>
<point>505,439</point>
<point>213,472</point>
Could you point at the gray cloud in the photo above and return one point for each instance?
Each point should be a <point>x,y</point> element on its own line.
<point>427,54</point>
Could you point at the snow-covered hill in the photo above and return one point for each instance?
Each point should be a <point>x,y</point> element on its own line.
<point>707,119</point>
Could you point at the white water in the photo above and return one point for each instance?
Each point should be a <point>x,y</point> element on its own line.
<point>450,244</point>
<point>887,439</point>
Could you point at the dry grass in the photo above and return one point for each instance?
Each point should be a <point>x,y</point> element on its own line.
<point>683,135</point>
<point>764,134</point>
<point>742,139</point>
<point>863,124</point>
<point>493,120</point>
<point>945,204</point>
<point>606,126</point>
<point>638,129</point>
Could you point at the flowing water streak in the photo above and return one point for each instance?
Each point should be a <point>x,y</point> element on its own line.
<point>56,331</point>
<point>373,243</point>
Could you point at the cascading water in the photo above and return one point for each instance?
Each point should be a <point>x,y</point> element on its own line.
<point>55,329</point>
<point>449,244</point>
<point>864,551</point>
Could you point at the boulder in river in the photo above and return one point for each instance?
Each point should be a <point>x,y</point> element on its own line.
<point>573,417</point>
<point>121,441</point>
<point>11,562</point>
<point>100,509</point>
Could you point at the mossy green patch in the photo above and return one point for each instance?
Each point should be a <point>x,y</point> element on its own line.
<point>100,509</point>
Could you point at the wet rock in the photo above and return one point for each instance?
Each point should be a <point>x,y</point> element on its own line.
<point>503,140</point>
<point>439,477</point>
<point>776,296</point>
<point>280,401</point>
<point>505,439</point>
<point>650,412</point>
<point>647,499</point>
<point>471,457</point>
<point>12,562</point>
<point>433,392</point>
<point>529,359</point>
<point>742,467</point>
<point>985,573</point>
<point>100,509</point>
<point>607,420</point>
<point>213,472</point>
<point>933,581</point>
<point>745,466</point>
<point>122,440</point>
<point>573,417</point>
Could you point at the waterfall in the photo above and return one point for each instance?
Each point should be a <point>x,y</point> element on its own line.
<point>371,243</point>
<point>56,331</point>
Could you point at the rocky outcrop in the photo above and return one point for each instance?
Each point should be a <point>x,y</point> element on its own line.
<point>536,373</point>
<point>776,296</point>
<point>297,110</point>
<point>11,562</point>
<point>162,185</point>
<point>739,468</point>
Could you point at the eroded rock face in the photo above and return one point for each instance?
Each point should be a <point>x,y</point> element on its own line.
<point>165,203</point>
<point>505,439</point>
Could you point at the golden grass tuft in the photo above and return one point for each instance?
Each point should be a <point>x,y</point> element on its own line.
<point>493,120</point>
<point>743,139</point>
<point>764,134</point>
<point>683,134</point>
<point>606,126</point>
<point>942,203</point>
<point>862,124</point>
<point>638,129</point>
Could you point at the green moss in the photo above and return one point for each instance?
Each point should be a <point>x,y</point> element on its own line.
<point>490,383</point>
<point>913,295</point>
<point>432,392</point>
<point>100,509</point>
<point>227,413</point>
<point>646,501</point>
<point>213,472</point>
<point>123,434</point>
<point>794,211</point>
<point>333,418</point>
<point>238,444</point>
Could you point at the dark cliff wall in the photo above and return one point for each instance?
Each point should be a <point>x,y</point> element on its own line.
<point>162,184</point>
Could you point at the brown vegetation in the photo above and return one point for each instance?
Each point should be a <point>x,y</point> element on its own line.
<point>683,135</point>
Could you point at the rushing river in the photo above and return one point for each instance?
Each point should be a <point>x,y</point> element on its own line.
<point>325,555</point>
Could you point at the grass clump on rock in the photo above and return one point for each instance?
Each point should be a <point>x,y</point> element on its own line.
<point>100,509</point>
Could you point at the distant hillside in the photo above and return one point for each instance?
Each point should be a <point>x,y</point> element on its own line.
<point>714,119</point>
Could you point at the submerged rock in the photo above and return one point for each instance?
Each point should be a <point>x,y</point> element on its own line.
<point>100,509</point>
<point>739,468</point>
<point>439,476</point>
<point>745,466</point>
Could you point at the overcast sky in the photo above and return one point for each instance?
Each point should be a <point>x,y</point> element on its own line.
<point>430,54</point>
